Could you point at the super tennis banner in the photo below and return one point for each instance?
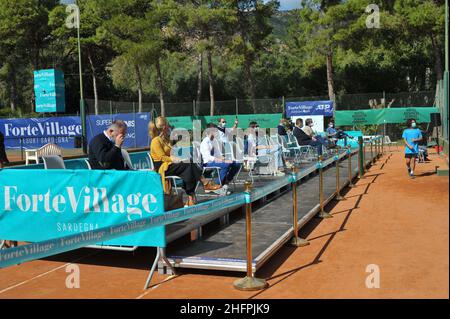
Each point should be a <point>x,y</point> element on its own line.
<point>38,205</point>
<point>137,131</point>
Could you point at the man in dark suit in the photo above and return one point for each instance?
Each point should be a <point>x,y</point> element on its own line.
<point>3,157</point>
<point>282,128</point>
<point>300,135</point>
<point>105,149</point>
<point>303,138</point>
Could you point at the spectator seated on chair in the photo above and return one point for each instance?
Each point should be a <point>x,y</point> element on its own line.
<point>423,145</point>
<point>257,146</point>
<point>167,164</point>
<point>332,134</point>
<point>223,132</point>
<point>335,134</point>
<point>212,157</point>
<point>105,149</point>
<point>305,135</point>
<point>282,128</point>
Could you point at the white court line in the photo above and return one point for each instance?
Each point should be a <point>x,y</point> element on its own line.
<point>46,273</point>
<point>153,288</point>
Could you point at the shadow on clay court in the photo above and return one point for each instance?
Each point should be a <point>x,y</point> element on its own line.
<point>268,270</point>
<point>142,258</point>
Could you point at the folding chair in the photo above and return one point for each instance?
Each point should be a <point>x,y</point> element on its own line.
<point>306,152</point>
<point>175,180</point>
<point>53,162</point>
<point>230,155</point>
<point>127,159</point>
<point>197,154</point>
<point>88,164</point>
<point>260,161</point>
<point>290,151</point>
<point>388,142</point>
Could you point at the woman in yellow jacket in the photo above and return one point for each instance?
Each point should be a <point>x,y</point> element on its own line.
<point>166,164</point>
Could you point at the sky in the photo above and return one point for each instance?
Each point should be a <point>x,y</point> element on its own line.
<point>289,4</point>
<point>285,4</point>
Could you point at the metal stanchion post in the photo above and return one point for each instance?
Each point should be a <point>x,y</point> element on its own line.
<point>338,182</point>
<point>371,151</point>
<point>350,171</point>
<point>376,148</point>
<point>361,157</point>
<point>249,283</point>
<point>322,213</point>
<point>379,148</point>
<point>21,148</point>
<point>296,241</point>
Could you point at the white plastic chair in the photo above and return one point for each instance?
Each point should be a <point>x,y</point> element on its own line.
<point>88,164</point>
<point>53,162</point>
<point>388,142</point>
<point>36,154</point>
<point>127,159</point>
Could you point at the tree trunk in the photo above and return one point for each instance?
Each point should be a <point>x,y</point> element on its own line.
<point>211,84</point>
<point>200,78</point>
<point>36,66</point>
<point>330,80</point>
<point>12,88</point>
<point>251,83</point>
<point>437,59</point>
<point>12,98</point>
<point>94,83</point>
<point>161,87</point>
<point>139,79</point>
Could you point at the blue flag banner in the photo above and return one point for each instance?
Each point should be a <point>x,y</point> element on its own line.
<point>49,91</point>
<point>60,203</point>
<point>306,108</point>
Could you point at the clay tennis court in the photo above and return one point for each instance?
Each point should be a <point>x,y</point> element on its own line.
<point>389,220</point>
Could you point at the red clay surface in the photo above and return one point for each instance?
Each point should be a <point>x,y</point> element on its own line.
<point>399,224</point>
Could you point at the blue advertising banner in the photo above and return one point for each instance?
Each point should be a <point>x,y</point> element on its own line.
<point>305,108</point>
<point>137,132</point>
<point>68,202</point>
<point>36,132</point>
<point>49,91</point>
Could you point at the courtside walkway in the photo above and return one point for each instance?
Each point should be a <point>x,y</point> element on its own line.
<point>399,224</point>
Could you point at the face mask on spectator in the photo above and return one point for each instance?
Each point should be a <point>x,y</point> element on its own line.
<point>413,125</point>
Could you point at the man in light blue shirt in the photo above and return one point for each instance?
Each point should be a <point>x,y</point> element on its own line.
<point>412,136</point>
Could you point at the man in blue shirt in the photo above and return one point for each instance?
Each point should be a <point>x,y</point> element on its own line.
<point>412,136</point>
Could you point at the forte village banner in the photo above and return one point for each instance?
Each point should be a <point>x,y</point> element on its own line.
<point>57,203</point>
<point>35,132</point>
